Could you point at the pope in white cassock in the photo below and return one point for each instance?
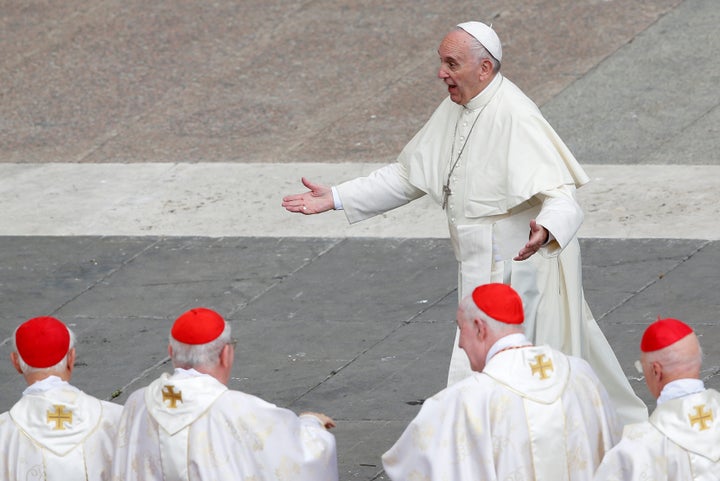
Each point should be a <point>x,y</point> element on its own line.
<point>188,426</point>
<point>55,432</point>
<point>507,184</point>
<point>681,439</point>
<point>525,413</point>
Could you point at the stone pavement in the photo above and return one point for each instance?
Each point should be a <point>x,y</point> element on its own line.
<point>358,328</point>
<point>145,146</point>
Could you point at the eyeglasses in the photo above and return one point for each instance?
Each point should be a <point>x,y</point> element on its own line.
<point>233,342</point>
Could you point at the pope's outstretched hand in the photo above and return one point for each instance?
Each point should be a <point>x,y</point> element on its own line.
<point>318,199</point>
<point>538,238</point>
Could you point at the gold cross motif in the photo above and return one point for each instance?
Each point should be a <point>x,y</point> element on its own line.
<point>169,394</point>
<point>59,417</point>
<point>541,366</point>
<point>701,417</point>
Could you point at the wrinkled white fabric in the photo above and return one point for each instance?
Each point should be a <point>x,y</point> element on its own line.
<point>191,427</point>
<point>533,414</point>
<point>55,432</point>
<point>679,442</point>
<point>513,168</point>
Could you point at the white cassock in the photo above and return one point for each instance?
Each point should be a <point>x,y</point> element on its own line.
<point>679,442</point>
<point>55,432</point>
<point>189,426</point>
<point>513,168</point>
<point>532,414</point>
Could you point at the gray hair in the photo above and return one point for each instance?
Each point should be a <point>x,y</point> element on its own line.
<point>675,360</point>
<point>480,52</point>
<point>472,311</point>
<point>200,355</point>
<point>59,367</point>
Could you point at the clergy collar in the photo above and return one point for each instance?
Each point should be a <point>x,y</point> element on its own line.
<point>680,388</point>
<point>484,97</point>
<point>185,373</point>
<point>512,340</point>
<point>50,382</point>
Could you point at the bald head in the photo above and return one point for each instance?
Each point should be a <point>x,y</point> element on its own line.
<point>680,360</point>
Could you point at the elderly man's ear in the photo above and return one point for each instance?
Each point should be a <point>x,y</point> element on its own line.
<point>480,327</point>
<point>71,360</point>
<point>16,361</point>
<point>227,355</point>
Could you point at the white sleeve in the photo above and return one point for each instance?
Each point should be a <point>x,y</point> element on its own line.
<point>384,189</point>
<point>560,213</point>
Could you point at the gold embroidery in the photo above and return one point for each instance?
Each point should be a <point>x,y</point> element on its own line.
<point>701,417</point>
<point>59,417</point>
<point>541,366</point>
<point>169,394</point>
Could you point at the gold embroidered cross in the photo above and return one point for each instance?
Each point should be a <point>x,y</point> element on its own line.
<point>59,417</point>
<point>541,366</point>
<point>169,394</point>
<point>701,417</point>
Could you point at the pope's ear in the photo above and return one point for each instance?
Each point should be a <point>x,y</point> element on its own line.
<point>486,68</point>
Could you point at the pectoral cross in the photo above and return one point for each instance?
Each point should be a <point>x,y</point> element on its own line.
<point>446,193</point>
<point>169,394</point>
<point>59,417</point>
<point>541,366</point>
<point>701,417</point>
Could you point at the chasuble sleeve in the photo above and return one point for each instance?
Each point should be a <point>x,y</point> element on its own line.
<point>630,460</point>
<point>448,439</point>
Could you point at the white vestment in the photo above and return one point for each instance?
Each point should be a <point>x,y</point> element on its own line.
<point>55,432</point>
<point>513,168</point>
<point>679,442</point>
<point>532,414</point>
<point>189,427</point>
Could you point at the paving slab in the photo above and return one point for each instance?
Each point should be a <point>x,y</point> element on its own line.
<point>267,81</point>
<point>359,328</point>
<point>654,101</point>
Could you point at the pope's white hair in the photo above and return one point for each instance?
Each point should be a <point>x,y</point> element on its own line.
<point>472,311</point>
<point>59,367</point>
<point>199,355</point>
<point>480,52</point>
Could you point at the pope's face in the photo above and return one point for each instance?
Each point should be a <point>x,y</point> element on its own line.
<point>461,71</point>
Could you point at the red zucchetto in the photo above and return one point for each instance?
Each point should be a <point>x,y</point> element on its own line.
<point>198,326</point>
<point>500,302</point>
<point>42,341</point>
<point>663,333</point>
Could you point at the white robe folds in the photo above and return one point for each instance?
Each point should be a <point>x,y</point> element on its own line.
<point>513,168</point>
<point>532,414</point>
<point>679,442</point>
<point>189,427</point>
<point>55,432</point>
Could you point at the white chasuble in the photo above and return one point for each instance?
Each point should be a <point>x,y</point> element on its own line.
<point>680,441</point>
<point>503,164</point>
<point>533,414</point>
<point>189,427</point>
<point>58,434</point>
